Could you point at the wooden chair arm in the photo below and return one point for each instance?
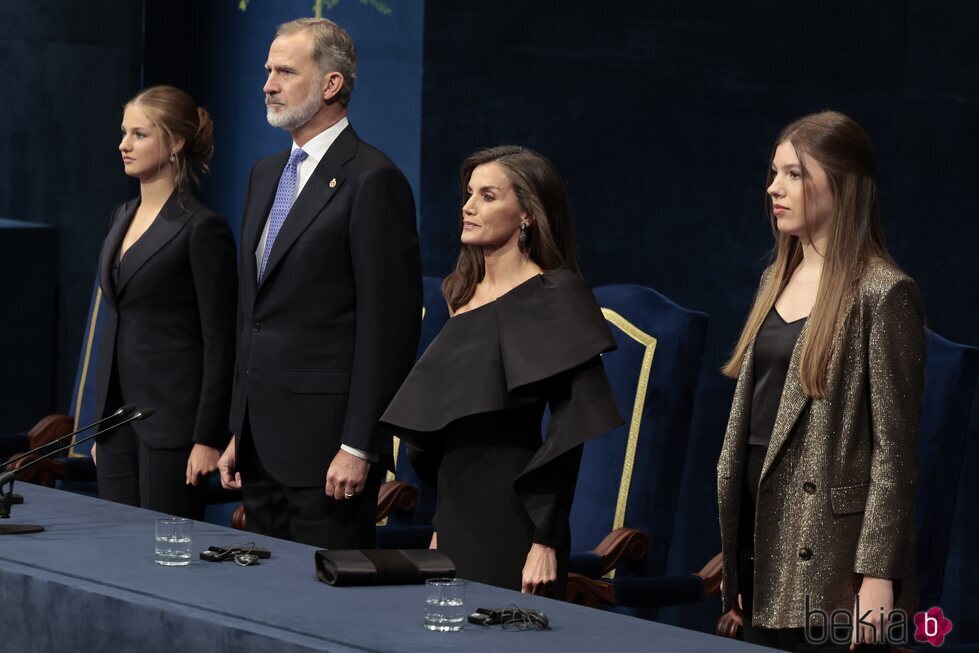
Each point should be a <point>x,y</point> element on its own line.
<point>712,574</point>
<point>622,544</point>
<point>48,430</point>
<point>588,591</point>
<point>396,496</point>
<point>594,591</point>
<point>238,517</point>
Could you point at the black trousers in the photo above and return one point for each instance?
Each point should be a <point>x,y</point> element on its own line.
<point>305,514</point>
<point>131,473</point>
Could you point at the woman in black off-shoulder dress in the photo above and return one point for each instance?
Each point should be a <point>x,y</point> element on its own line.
<point>525,334</point>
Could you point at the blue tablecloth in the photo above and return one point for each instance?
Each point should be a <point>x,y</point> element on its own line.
<point>88,583</point>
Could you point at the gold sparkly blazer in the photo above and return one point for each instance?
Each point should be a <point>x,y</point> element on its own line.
<point>836,497</point>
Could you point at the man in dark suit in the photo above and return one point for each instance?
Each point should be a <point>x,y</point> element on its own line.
<point>329,308</point>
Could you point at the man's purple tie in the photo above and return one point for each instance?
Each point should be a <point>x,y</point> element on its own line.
<point>285,195</point>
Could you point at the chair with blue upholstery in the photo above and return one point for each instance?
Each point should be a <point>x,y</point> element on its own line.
<point>74,472</point>
<point>626,497</point>
<point>951,373</point>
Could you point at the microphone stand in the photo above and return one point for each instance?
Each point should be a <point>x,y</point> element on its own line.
<point>128,409</point>
<point>7,478</point>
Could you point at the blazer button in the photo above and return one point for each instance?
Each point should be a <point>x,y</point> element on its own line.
<point>810,488</point>
<point>257,327</point>
<point>248,370</point>
<point>805,553</point>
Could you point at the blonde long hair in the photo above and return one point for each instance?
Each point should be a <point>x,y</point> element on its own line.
<point>843,149</point>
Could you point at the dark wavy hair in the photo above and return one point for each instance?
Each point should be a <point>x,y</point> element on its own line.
<point>550,237</point>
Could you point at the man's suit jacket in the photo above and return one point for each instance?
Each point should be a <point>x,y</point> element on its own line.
<point>169,322</point>
<point>329,333</point>
<point>836,497</point>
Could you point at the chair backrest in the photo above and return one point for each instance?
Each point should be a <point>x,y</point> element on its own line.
<point>951,371</point>
<point>630,476</point>
<point>435,313</point>
<point>82,408</point>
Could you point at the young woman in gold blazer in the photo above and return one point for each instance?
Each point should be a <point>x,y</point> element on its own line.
<point>817,472</point>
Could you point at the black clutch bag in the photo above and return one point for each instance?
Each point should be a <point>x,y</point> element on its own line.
<point>351,567</point>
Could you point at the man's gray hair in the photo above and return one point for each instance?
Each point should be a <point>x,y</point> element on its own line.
<point>333,50</point>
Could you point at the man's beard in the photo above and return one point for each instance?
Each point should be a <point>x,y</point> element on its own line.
<point>292,118</point>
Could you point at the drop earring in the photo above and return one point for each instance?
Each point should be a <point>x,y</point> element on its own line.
<point>173,157</point>
<point>523,233</point>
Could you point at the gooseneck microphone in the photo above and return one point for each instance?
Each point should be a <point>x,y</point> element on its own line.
<point>7,478</point>
<point>126,410</point>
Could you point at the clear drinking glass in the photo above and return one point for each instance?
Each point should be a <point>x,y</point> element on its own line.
<point>445,608</point>
<point>173,541</point>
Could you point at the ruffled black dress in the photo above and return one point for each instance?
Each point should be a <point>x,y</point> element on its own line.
<point>471,409</point>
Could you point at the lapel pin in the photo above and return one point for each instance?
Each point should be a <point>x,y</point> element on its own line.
<point>333,183</point>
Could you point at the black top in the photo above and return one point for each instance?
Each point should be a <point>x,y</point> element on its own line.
<point>495,357</point>
<point>773,352</point>
<point>471,412</point>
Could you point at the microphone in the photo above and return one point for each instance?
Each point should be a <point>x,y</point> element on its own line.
<point>124,410</point>
<point>7,478</point>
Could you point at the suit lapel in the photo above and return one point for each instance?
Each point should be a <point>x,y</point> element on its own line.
<point>171,219</point>
<point>326,180</point>
<point>110,248</point>
<point>794,400</point>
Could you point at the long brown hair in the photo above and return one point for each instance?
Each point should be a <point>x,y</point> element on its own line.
<point>843,149</point>
<point>541,194</point>
<point>177,116</point>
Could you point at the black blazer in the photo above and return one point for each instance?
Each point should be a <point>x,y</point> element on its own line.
<point>169,322</point>
<point>327,337</point>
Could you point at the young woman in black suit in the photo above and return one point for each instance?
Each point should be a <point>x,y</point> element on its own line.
<point>168,277</point>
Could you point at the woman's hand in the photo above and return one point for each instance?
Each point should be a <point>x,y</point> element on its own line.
<point>95,460</point>
<point>540,570</point>
<point>434,544</point>
<point>203,460</point>
<point>876,597</point>
<point>737,612</point>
